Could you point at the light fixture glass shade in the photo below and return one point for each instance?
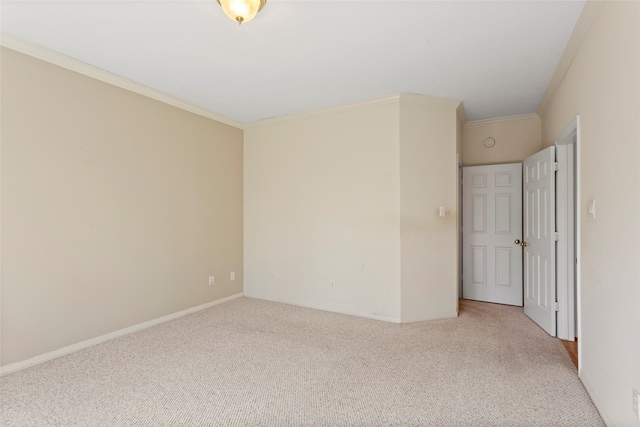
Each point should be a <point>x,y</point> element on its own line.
<point>241,10</point>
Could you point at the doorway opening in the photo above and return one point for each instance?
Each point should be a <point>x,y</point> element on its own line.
<point>563,305</point>
<point>568,223</point>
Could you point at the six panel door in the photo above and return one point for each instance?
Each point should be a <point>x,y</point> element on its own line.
<point>492,222</point>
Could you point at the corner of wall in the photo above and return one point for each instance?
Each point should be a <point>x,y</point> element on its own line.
<point>428,180</point>
<point>585,20</point>
<point>80,67</point>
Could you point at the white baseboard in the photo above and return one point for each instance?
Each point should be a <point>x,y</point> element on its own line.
<point>314,305</point>
<point>437,316</point>
<point>301,302</point>
<point>594,397</point>
<point>13,367</point>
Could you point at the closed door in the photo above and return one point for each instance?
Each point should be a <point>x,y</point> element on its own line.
<point>492,222</point>
<point>540,239</point>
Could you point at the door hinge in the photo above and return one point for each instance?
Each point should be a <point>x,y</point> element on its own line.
<point>555,166</point>
<point>556,236</point>
<point>556,306</point>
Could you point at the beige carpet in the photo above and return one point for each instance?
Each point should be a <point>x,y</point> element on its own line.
<point>255,363</point>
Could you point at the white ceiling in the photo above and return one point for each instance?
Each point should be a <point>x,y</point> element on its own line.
<point>496,57</point>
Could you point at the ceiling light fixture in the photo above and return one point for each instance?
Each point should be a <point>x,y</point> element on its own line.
<point>241,10</point>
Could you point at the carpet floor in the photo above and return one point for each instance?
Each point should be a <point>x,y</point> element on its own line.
<point>249,362</point>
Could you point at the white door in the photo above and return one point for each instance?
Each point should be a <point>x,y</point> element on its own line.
<point>540,239</point>
<point>492,221</point>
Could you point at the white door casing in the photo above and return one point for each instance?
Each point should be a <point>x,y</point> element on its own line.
<point>492,221</point>
<point>540,239</point>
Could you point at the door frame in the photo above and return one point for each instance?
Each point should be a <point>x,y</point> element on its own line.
<point>460,248</point>
<point>568,226</point>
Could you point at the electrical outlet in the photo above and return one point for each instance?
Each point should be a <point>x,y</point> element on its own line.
<point>333,283</point>
<point>636,402</point>
<point>212,280</point>
<point>232,276</point>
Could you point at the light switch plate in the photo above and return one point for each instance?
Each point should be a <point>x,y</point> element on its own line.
<point>591,209</point>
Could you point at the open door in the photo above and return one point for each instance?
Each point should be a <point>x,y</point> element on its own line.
<point>539,239</point>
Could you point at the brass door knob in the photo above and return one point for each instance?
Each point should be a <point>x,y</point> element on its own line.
<point>523,244</point>
<point>517,242</point>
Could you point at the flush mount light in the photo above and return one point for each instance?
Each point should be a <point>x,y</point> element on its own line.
<point>489,142</point>
<point>241,10</point>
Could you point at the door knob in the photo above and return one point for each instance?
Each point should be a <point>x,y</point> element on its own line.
<point>523,244</point>
<point>517,242</point>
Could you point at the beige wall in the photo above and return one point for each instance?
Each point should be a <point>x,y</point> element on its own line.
<point>603,87</point>
<point>323,202</point>
<point>428,177</point>
<point>517,137</point>
<point>115,208</point>
<point>321,198</point>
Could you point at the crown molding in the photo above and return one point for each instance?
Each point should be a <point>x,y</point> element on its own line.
<point>462,116</point>
<point>390,99</point>
<point>412,98</point>
<point>384,100</point>
<point>590,11</point>
<point>501,120</point>
<point>80,67</point>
